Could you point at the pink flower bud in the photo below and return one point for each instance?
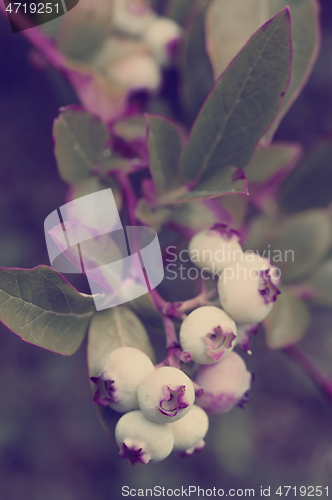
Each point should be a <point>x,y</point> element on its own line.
<point>118,383</point>
<point>208,334</point>
<point>141,440</point>
<point>166,395</point>
<point>189,431</point>
<point>215,248</point>
<point>247,291</point>
<point>225,384</point>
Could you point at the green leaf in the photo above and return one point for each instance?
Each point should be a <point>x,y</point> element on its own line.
<point>320,285</point>
<point>81,143</point>
<point>165,145</point>
<point>296,244</point>
<point>111,329</point>
<point>287,322</point>
<point>130,128</point>
<point>42,308</point>
<point>153,216</point>
<point>198,70</point>
<point>84,30</point>
<point>230,180</point>
<point>267,163</point>
<point>309,185</point>
<point>242,103</point>
<point>179,10</point>
<point>94,185</point>
<point>193,215</point>
<point>231,23</point>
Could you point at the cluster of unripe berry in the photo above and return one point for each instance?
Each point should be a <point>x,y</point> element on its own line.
<point>158,403</point>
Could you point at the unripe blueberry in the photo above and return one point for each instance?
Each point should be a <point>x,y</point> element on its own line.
<point>141,439</point>
<point>247,292</point>
<point>208,334</point>
<point>161,35</point>
<point>132,16</point>
<point>166,394</point>
<point>262,263</point>
<point>225,384</point>
<point>189,431</point>
<point>138,71</point>
<point>215,248</point>
<point>118,383</point>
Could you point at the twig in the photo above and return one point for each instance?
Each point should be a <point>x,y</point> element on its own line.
<point>323,382</point>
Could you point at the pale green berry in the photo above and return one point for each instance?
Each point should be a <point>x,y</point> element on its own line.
<point>247,292</point>
<point>224,384</point>
<point>215,248</point>
<point>208,334</point>
<point>141,439</point>
<point>124,369</point>
<point>131,16</point>
<point>189,431</point>
<point>159,36</point>
<point>166,394</point>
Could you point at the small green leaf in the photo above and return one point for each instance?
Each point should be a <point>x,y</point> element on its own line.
<point>198,70</point>
<point>231,23</point>
<point>130,128</point>
<point>111,329</point>
<point>296,244</point>
<point>165,145</point>
<point>269,162</point>
<point>193,215</point>
<point>242,103</point>
<point>287,322</point>
<point>153,216</point>
<point>230,180</point>
<point>309,185</point>
<point>81,143</point>
<point>42,308</point>
<point>84,30</point>
<point>320,284</point>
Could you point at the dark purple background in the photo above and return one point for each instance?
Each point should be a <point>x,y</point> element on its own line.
<point>51,444</point>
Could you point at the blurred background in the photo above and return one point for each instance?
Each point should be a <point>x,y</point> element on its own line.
<point>51,444</point>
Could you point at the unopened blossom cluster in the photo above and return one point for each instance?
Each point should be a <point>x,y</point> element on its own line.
<point>139,45</point>
<point>163,409</point>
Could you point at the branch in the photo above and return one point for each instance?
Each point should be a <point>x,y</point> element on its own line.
<point>322,381</point>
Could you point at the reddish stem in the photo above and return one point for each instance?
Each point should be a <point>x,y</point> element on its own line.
<point>323,382</point>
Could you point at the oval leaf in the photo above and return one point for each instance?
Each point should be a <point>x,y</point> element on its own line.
<point>111,329</point>
<point>242,103</point>
<point>84,29</point>
<point>270,164</point>
<point>42,308</point>
<point>231,23</point>
<point>287,322</point>
<point>198,70</point>
<point>320,285</point>
<point>230,180</point>
<point>165,145</point>
<point>309,185</point>
<point>296,245</point>
<point>80,140</point>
